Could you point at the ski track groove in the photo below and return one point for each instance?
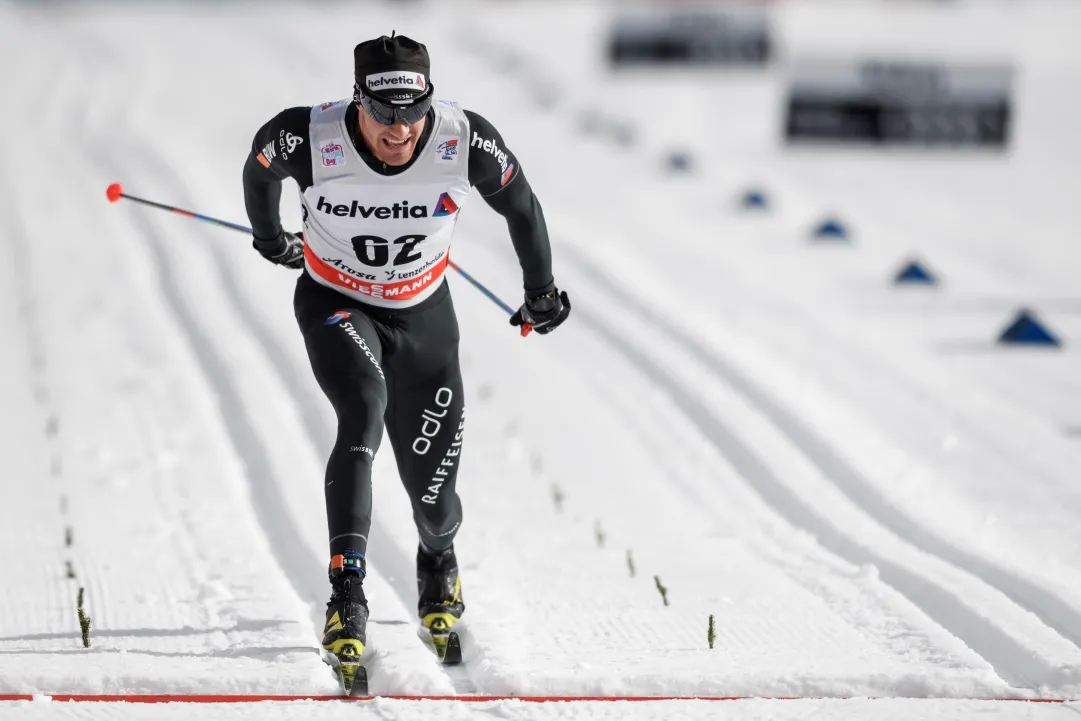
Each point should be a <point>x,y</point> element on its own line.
<point>1052,610</point>
<point>1048,607</point>
<point>1009,659</point>
<point>61,588</point>
<point>267,501</point>
<point>941,606</point>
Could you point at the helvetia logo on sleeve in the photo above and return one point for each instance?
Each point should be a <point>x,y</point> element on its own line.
<point>445,206</point>
<point>490,146</point>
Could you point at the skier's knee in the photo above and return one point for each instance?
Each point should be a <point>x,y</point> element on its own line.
<point>438,517</point>
<point>363,401</point>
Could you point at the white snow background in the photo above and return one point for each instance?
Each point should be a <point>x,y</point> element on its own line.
<point>870,496</point>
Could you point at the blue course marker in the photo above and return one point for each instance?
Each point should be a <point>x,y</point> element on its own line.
<point>915,273</point>
<point>1026,329</point>
<point>754,200</point>
<point>831,229</point>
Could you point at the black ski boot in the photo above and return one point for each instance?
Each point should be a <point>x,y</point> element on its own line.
<point>440,606</point>
<point>347,614</point>
<point>439,589</point>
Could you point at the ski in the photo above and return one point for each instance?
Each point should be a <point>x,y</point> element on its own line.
<point>448,647</point>
<point>352,676</point>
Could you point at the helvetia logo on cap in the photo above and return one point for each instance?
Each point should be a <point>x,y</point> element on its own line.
<point>397,79</point>
<point>336,318</point>
<point>445,206</point>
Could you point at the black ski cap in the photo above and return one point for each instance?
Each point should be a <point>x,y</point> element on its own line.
<point>393,69</point>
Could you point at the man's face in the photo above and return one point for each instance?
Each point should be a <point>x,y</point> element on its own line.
<point>392,144</point>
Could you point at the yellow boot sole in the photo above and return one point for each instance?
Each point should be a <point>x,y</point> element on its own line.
<point>439,621</point>
<point>348,647</point>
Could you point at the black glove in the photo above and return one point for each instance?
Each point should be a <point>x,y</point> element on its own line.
<point>287,249</point>
<point>545,312</point>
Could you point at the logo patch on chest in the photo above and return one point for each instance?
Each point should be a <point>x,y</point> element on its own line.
<point>447,149</point>
<point>332,154</point>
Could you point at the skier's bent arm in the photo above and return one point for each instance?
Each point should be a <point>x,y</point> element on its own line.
<point>497,175</point>
<point>278,151</point>
<point>262,198</point>
<point>525,221</point>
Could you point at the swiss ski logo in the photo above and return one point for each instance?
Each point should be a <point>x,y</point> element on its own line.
<point>445,206</point>
<point>448,149</point>
<point>506,175</point>
<point>332,154</point>
<point>336,318</point>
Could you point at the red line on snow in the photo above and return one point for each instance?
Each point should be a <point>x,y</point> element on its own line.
<point>252,698</point>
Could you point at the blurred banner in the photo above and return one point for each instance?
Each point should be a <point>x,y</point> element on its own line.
<point>883,101</point>
<point>723,35</point>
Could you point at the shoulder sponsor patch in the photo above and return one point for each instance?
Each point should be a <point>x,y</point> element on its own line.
<point>266,157</point>
<point>487,145</point>
<point>287,143</point>
<point>332,154</point>
<point>447,148</point>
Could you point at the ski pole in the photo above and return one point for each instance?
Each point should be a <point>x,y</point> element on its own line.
<point>490,295</point>
<point>116,191</point>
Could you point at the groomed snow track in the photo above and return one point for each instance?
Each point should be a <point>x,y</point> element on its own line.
<point>880,529</point>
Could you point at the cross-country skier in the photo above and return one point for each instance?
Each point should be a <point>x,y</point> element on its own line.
<point>382,177</point>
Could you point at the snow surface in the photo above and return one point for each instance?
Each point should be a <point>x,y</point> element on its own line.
<point>870,497</point>
<point>393,710</point>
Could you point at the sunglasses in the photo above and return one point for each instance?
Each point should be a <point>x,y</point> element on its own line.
<point>387,114</point>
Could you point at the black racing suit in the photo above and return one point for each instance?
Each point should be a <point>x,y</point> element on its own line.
<point>394,366</point>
